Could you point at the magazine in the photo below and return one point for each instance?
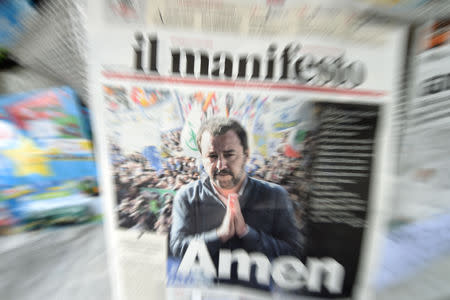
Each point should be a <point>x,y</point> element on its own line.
<point>43,135</point>
<point>242,146</point>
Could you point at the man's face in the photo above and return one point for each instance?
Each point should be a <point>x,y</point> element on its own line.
<point>224,159</point>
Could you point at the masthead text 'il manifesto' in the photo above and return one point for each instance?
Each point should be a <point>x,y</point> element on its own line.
<point>278,64</point>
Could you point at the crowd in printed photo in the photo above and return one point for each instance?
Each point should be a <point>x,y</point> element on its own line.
<point>145,192</point>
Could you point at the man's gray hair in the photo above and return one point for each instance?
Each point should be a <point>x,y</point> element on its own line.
<point>218,126</point>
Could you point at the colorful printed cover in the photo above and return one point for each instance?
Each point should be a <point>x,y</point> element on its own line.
<point>44,147</point>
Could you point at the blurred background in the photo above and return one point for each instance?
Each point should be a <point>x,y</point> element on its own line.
<point>52,241</point>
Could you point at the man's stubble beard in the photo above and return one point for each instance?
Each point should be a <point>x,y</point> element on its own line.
<point>231,183</point>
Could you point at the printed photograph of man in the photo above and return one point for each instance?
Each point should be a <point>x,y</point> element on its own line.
<point>228,209</point>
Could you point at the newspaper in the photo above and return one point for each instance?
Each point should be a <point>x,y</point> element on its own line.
<point>242,145</point>
<point>424,162</point>
<point>416,246</point>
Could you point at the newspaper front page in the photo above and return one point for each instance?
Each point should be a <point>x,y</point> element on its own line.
<point>418,240</point>
<point>424,162</point>
<point>242,146</point>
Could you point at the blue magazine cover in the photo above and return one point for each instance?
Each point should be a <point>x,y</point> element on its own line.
<point>45,153</point>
